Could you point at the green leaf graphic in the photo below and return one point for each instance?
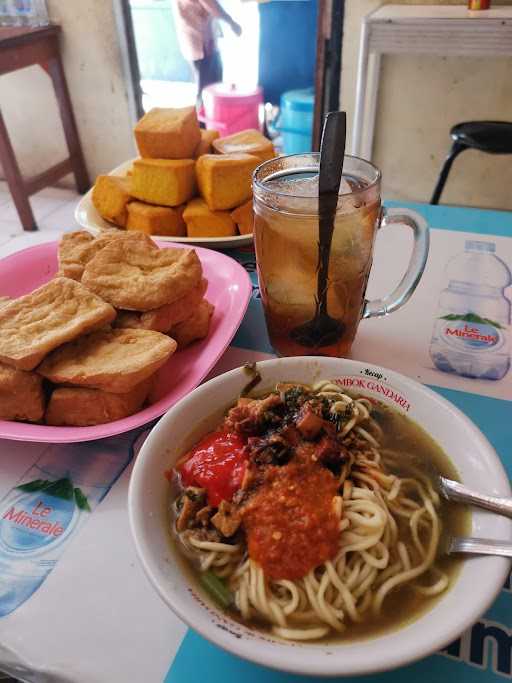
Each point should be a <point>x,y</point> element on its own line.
<point>471,318</point>
<point>62,488</point>
<point>81,500</point>
<point>36,485</point>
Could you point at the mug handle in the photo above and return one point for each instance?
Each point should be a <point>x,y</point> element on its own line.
<point>409,282</point>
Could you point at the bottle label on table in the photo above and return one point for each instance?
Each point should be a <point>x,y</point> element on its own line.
<point>44,511</point>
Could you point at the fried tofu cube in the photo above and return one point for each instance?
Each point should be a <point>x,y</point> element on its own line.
<point>205,144</point>
<point>168,133</point>
<point>225,179</point>
<point>156,220</point>
<point>203,222</point>
<point>244,217</point>
<point>110,197</point>
<point>168,182</point>
<point>21,395</point>
<point>84,407</point>
<point>248,141</point>
<point>194,327</point>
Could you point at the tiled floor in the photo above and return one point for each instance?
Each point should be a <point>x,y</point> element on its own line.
<point>53,209</point>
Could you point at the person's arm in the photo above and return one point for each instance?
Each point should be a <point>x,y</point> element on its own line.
<point>215,9</point>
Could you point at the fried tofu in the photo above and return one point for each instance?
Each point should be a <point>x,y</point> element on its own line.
<point>248,141</point>
<point>165,182</point>
<point>111,360</point>
<point>57,312</point>
<point>203,222</point>
<point>110,196</point>
<point>21,395</point>
<point>76,249</point>
<point>82,407</point>
<point>205,144</point>
<point>168,133</point>
<point>163,318</point>
<point>137,276</point>
<point>244,217</point>
<point>225,180</point>
<point>195,327</point>
<point>156,220</point>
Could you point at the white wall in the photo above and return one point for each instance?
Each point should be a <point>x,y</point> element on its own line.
<point>92,63</point>
<point>420,98</point>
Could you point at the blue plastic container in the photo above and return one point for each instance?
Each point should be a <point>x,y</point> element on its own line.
<point>295,122</point>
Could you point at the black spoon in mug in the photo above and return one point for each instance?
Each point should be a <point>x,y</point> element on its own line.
<point>323,330</point>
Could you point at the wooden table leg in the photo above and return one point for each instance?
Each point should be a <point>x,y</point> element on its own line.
<point>56,73</point>
<point>15,179</point>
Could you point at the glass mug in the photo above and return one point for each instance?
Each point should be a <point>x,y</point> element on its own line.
<point>286,234</point>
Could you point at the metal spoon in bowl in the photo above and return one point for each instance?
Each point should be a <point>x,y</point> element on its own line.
<point>452,490</point>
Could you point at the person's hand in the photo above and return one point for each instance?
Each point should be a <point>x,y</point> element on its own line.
<point>236,28</point>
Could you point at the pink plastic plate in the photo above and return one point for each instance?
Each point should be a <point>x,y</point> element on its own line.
<point>229,289</point>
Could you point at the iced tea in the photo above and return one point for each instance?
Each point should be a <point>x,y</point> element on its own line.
<point>286,239</point>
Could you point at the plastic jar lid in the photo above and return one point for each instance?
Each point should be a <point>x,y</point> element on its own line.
<point>298,100</point>
<point>229,93</point>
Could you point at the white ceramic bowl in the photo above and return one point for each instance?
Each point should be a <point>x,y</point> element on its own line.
<point>475,589</point>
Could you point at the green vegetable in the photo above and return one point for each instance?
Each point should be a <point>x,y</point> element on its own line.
<point>194,494</point>
<point>216,588</point>
<point>472,318</point>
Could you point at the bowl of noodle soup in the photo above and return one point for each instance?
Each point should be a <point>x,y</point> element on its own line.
<point>298,517</point>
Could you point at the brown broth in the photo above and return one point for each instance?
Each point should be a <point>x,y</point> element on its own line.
<point>403,605</point>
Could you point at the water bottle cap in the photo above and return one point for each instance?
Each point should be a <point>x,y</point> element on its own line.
<point>475,245</point>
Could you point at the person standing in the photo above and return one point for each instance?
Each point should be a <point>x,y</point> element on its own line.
<point>197,38</point>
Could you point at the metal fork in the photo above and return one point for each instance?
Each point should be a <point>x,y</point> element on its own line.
<point>479,546</point>
<point>452,490</point>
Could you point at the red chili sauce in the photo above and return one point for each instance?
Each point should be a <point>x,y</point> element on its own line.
<point>290,522</point>
<point>217,463</point>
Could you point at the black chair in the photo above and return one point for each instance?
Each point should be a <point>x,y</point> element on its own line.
<point>493,137</point>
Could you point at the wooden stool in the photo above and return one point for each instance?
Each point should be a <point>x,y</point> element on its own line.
<point>21,47</point>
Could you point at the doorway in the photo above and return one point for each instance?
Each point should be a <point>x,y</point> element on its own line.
<point>166,78</point>
<point>285,45</point>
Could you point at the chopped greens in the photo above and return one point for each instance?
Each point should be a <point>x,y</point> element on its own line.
<point>217,590</point>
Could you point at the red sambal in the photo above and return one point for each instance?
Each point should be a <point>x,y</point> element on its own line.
<point>217,463</point>
<point>290,521</point>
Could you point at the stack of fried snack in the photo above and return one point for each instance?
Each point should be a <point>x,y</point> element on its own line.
<point>84,348</point>
<point>188,181</point>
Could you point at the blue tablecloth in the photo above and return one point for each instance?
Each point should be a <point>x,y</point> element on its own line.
<point>483,653</point>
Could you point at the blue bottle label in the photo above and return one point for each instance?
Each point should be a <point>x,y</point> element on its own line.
<point>39,513</point>
<point>54,497</point>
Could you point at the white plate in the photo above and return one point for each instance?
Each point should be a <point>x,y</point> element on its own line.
<point>87,216</point>
<point>475,588</point>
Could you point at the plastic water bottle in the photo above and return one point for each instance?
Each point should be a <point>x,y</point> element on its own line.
<point>471,331</point>
<point>44,511</point>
